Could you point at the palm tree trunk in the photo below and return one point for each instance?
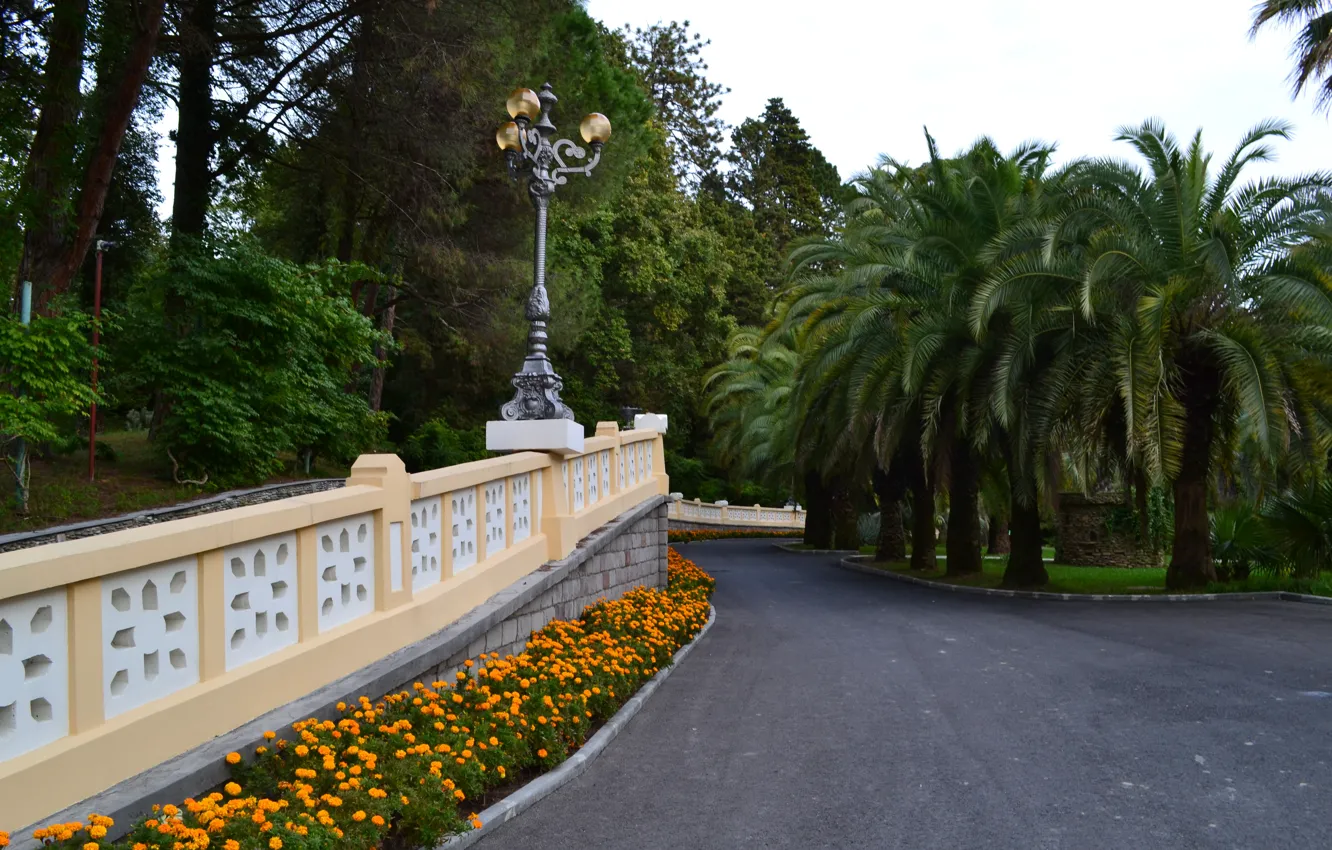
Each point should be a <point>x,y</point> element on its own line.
<point>998,542</point>
<point>1026,567</point>
<point>846,533</point>
<point>922,513</point>
<point>818,513</point>
<point>890,486</point>
<point>1191,552</point>
<point>962,547</point>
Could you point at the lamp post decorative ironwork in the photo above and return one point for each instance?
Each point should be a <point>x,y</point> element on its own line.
<point>532,151</point>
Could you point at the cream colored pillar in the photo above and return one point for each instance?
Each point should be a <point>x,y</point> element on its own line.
<point>86,708</point>
<point>393,525</point>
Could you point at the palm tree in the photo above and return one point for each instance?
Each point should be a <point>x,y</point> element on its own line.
<point>1226,326</point>
<point>1313,45</point>
<point>892,321</point>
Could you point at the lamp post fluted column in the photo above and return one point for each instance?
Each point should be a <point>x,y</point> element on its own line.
<point>526,142</point>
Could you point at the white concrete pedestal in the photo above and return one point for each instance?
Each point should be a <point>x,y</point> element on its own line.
<point>562,436</point>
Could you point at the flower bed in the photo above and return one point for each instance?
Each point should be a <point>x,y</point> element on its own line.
<point>693,535</point>
<point>401,772</point>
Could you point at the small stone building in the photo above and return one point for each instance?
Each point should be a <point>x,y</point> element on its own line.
<point>1088,535</point>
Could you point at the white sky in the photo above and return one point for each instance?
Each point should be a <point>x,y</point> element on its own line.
<point>863,76</point>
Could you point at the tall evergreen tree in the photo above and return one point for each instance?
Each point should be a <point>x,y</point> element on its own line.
<point>668,60</point>
<point>775,171</point>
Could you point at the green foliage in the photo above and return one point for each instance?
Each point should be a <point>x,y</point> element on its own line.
<point>1160,520</point>
<point>435,444</point>
<point>668,60</point>
<point>255,361</point>
<point>45,376</point>
<point>1301,523</point>
<point>1242,542</point>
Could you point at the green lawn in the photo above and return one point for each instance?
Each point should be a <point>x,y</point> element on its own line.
<point>1066,579</point>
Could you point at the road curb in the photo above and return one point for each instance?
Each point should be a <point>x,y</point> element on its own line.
<point>786,547</point>
<point>538,789</point>
<point>856,563</point>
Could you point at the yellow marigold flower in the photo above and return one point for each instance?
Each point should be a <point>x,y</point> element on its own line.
<point>232,788</point>
<point>275,843</point>
<point>170,811</point>
<point>233,758</point>
<point>358,815</point>
<point>97,831</point>
<point>91,845</point>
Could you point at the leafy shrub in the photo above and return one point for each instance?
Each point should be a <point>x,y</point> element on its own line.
<point>1300,521</point>
<point>435,445</point>
<point>1242,543</point>
<point>252,358</point>
<point>867,526</point>
<point>43,370</point>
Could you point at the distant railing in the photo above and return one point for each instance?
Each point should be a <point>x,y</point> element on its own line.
<point>123,650</point>
<point>721,514</point>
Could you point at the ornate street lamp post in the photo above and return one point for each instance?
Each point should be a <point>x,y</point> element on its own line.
<point>531,153</point>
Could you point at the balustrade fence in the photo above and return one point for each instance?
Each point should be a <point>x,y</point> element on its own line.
<point>736,516</point>
<point>120,651</point>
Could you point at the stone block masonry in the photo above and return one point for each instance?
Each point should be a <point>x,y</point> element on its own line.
<point>635,556</point>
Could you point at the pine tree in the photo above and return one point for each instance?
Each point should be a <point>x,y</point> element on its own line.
<point>668,60</point>
<point>791,188</point>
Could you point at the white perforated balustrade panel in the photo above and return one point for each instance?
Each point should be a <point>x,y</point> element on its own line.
<point>34,671</point>
<point>495,512</point>
<point>633,464</point>
<point>463,503</point>
<point>259,586</point>
<point>150,633</point>
<point>427,525</point>
<point>621,465</point>
<point>776,516</point>
<point>647,467</point>
<point>346,563</point>
<point>579,496</point>
<point>520,491</point>
<point>605,473</point>
<point>593,480</point>
<point>643,471</point>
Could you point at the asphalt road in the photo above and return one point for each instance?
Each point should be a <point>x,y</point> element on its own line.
<point>828,708</point>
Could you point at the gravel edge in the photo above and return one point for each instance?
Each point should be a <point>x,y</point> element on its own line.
<point>538,789</point>
<point>857,564</point>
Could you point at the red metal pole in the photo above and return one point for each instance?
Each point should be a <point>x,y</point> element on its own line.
<point>97,322</point>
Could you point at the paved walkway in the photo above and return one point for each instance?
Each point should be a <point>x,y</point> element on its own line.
<point>832,709</point>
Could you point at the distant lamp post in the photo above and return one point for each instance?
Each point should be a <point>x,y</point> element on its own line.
<point>531,153</point>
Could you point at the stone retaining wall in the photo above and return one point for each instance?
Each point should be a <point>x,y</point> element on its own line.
<point>1085,537</point>
<point>634,557</point>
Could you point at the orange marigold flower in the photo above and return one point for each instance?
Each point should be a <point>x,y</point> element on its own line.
<point>275,843</point>
<point>358,815</point>
<point>541,753</point>
<point>377,820</point>
<point>232,788</point>
<point>233,758</point>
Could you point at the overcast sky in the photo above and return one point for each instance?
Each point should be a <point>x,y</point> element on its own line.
<point>864,77</point>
